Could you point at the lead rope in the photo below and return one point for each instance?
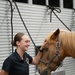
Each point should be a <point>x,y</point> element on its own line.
<point>11,22</point>
<point>24,23</point>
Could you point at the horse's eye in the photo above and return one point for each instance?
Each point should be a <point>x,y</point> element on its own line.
<point>46,49</point>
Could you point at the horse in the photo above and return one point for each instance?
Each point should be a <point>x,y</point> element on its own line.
<point>59,45</point>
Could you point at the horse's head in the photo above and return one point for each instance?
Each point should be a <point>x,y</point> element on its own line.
<point>51,56</point>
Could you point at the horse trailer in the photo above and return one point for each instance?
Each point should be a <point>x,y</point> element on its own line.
<point>40,17</point>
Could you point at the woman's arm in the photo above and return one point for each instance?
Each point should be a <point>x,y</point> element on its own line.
<point>38,56</point>
<point>3,72</point>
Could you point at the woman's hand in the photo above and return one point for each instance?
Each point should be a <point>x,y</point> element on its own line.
<point>43,44</point>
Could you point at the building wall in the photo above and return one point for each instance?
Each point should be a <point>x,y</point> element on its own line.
<point>37,20</point>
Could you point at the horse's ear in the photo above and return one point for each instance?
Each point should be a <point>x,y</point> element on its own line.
<point>55,34</point>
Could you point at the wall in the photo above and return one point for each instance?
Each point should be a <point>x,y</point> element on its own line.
<point>37,20</point>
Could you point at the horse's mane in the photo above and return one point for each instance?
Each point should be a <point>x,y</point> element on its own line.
<point>67,39</point>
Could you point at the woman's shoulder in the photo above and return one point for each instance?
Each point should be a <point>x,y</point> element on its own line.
<point>12,56</point>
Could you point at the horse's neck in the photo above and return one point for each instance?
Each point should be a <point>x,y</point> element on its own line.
<point>68,43</point>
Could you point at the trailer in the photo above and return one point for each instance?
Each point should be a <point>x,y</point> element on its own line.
<point>39,20</point>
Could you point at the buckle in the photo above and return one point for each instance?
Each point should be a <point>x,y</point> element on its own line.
<point>57,44</point>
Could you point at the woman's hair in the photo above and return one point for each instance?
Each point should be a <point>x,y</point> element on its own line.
<point>18,37</point>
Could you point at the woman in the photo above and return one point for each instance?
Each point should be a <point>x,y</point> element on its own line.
<point>18,62</point>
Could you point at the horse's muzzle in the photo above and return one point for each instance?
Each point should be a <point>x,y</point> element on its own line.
<point>46,72</point>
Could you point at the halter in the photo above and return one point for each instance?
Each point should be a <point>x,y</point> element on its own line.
<point>54,56</point>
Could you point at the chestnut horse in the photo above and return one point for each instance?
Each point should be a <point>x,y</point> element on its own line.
<point>60,44</point>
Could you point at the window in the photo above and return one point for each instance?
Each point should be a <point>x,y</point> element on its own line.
<point>23,1</point>
<point>39,2</point>
<point>68,4</point>
<point>54,3</point>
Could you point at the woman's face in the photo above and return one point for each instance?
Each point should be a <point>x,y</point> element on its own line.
<point>24,43</point>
